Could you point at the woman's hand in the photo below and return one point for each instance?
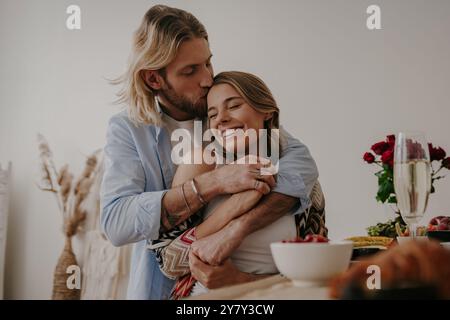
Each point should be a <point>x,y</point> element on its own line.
<point>237,177</point>
<point>214,249</point>
<point>213,277</point>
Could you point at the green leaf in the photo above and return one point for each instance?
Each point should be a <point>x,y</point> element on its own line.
<point>388,170</point>
<point>392,199</point>
<point>379,173</point>
<point>386,229</point>
<point>385,189</point>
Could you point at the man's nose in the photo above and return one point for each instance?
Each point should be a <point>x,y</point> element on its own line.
<point>206,80</point>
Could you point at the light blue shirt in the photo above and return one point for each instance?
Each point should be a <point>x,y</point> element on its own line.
<point>139,170</point>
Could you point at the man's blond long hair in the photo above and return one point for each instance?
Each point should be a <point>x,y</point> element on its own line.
<point>155,44</point>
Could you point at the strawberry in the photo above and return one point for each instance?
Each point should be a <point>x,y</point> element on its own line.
<point>442,226</point>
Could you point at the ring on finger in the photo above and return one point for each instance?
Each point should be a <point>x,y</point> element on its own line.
<point>258,174</point>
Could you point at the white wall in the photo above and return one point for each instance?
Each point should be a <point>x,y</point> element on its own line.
<point>340,87</point>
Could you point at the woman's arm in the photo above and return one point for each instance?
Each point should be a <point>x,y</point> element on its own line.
<point>228,210</point>
<point>186,172</point>
<point>176,255</point>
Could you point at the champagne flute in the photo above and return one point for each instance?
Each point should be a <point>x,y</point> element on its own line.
<point>412,177</point>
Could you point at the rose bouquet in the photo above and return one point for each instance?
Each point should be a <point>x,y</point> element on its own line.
<point>382,155</point>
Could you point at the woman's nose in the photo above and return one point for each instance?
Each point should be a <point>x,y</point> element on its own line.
<point>222,116</point>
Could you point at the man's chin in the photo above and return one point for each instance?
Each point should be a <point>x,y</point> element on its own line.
<point>200,109</point>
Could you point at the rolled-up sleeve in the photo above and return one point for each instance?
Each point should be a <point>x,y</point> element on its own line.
<point>297,172</point>
<point>128,214</point>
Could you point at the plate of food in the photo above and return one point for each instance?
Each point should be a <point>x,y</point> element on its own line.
<point>366,245</point>
<point>439,229</point>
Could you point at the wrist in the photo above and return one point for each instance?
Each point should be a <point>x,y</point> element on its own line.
<point>207,186</point>
<point>244,277</point>
<point>238,228</point>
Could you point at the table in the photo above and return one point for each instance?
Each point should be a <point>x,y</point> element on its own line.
<point>275,287</point>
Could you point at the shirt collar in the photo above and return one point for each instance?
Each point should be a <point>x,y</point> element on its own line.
<point>159,110</point>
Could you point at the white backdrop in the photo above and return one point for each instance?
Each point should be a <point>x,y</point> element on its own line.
<point>340,87</point>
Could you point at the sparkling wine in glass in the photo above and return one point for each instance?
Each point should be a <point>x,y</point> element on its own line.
<point>412,177</point>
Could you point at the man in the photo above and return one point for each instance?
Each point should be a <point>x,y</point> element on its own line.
<point>165,88</point>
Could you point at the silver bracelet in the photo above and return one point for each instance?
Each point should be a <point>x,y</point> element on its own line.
<point>197,193</point>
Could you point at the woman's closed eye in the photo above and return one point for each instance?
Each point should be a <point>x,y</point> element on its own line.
<point>212,115</point>
<point>234,106</point>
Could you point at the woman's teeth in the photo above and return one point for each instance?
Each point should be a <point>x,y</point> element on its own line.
<point>231,132</point>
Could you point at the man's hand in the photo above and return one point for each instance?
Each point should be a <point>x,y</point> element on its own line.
<point>213,277</point>
<point>219,246</point>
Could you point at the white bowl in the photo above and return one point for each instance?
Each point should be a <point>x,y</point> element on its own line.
<point>403,240</point>
<point>446,245</point>
<point>311,264</point>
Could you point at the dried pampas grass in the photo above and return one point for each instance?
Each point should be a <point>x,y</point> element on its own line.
<point>70,196</point>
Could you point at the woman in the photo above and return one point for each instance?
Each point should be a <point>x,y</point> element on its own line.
<point>238,103</point>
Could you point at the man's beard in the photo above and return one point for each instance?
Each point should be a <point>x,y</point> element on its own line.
<point>196,109</point>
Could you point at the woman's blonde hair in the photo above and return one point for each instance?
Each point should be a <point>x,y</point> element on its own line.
<point>155,44</point>
<point>256,93</point>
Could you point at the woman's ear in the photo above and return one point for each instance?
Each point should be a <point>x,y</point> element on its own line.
<point>152,78</point>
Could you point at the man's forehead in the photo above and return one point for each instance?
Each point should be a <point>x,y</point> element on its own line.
<point>192,52</point>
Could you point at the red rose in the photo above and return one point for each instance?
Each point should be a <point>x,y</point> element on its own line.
<point>436,153</point>
<point>388,158</point>
<point>446,163</point>
<point>391,141</point>
<point>368,157</point>
<point>414,149</point>
<point>380,147</point>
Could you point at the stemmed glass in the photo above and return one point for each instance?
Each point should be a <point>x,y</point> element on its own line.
<point>412,177</point>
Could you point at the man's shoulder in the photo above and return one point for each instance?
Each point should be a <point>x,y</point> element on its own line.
<point>123,120</point>
<point>121,115</point>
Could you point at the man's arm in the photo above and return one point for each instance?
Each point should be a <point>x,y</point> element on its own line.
<point>175,255</point>
<point>129,214</point>
<point>296,178</point>
<point>214,249</point>
<point>234,178</point>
